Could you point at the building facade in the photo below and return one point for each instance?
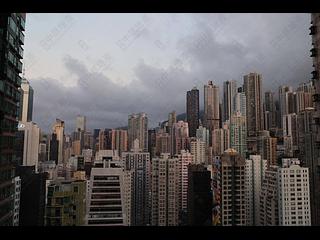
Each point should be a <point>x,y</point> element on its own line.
<point>253,91</point>
<point>211,106</point>
<point>138,129</point>
<point>165,191</point>
<point>12,26</point>
<point>193,111</point>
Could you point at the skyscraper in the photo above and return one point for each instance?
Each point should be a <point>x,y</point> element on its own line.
<point>32,196</point>
<point>211,106</point>
<point>240,102</point>
<point>163,142</point>
<point>54,148</point>
<point>267,147</point>
<point>119,140</point>
<point>198,150</point>
<point>269,209</point>
<point>203,134</point>
<point>221,139</point>
<point>255,172</point>
<point>309,155</point>
<point>138,161</point>
<point>233,189</point>
<point>26,101</point>
<point>30,144</point>
<point>238,134</point>
<point>229,93</point>
<point>293,189</point>
<point>193,111</point>
<point>138,129</point>
<point>185,158</point>
<point>180,137</point>
<point>285,101</point>
<point>109,197</point>
<point>290,129</point>
<point>315,174</point>
<point>165,191</point>
<point>199,196</point>
<point>12,26</point>
<point>269,109</point>
<point>253,91</point>
<point>81,123</point>
<point>58,129</point>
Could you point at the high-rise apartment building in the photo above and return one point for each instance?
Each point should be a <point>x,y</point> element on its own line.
<point>31,141</point>
<point>203,134</point>
<point>119,140</point>
<point>198,150</point>
<point>32,196</point>
<point>53,148</point>
<point>211,106</point>
<point>26,101</point>
<point>269,210</point>
<point>303,96</point>
<point>267,147</point>
<point>58,130</point>
<point>163,143</point>
<point>109,198</point>
<point>238,133</point>
<point>66,203</point>
<point>193,111</point>
<point>255,172</point>
<point>285,101</point>
<point>180,137</point>
<point>138,161</point>
<point>165,191</point>
<point>240,102</point>
<point>138,129</point>
<point>184,159</point>
<point>12,26</point>
<point>253,90</point>
<point>315,165</point>
<point>233,189</point>
<point>220,139</point>
<point>269,110</point>
<point>199,196</point>
<point>293,194</point>
<point>172,119</point>
<point>229,93</point>
<point>81,123</point>
<point>290,129</point>
<point>17,189</point>
<point>285,195</point>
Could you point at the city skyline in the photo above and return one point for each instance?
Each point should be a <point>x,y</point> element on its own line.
<point>242,151</point>
<point>188,52</point>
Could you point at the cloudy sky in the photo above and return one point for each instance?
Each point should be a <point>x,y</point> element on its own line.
<point>106,66</point>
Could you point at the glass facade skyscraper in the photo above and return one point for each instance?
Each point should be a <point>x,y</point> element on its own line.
<point>11,52</point>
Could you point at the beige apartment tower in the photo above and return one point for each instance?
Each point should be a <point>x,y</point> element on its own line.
<point>211,106</point>
<point>253,91</point>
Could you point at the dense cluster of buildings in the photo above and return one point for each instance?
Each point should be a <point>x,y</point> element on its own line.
<point>252,159</point>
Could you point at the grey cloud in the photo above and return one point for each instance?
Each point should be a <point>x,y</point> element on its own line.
<point>275,45</point>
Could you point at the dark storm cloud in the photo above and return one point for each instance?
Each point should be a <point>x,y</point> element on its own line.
<point>221,48</point>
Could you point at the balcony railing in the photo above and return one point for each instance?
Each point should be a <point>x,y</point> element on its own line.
<point>313,52</point>
<point>21,38</point>
<point>313,30</point>
<point>315,74</point>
